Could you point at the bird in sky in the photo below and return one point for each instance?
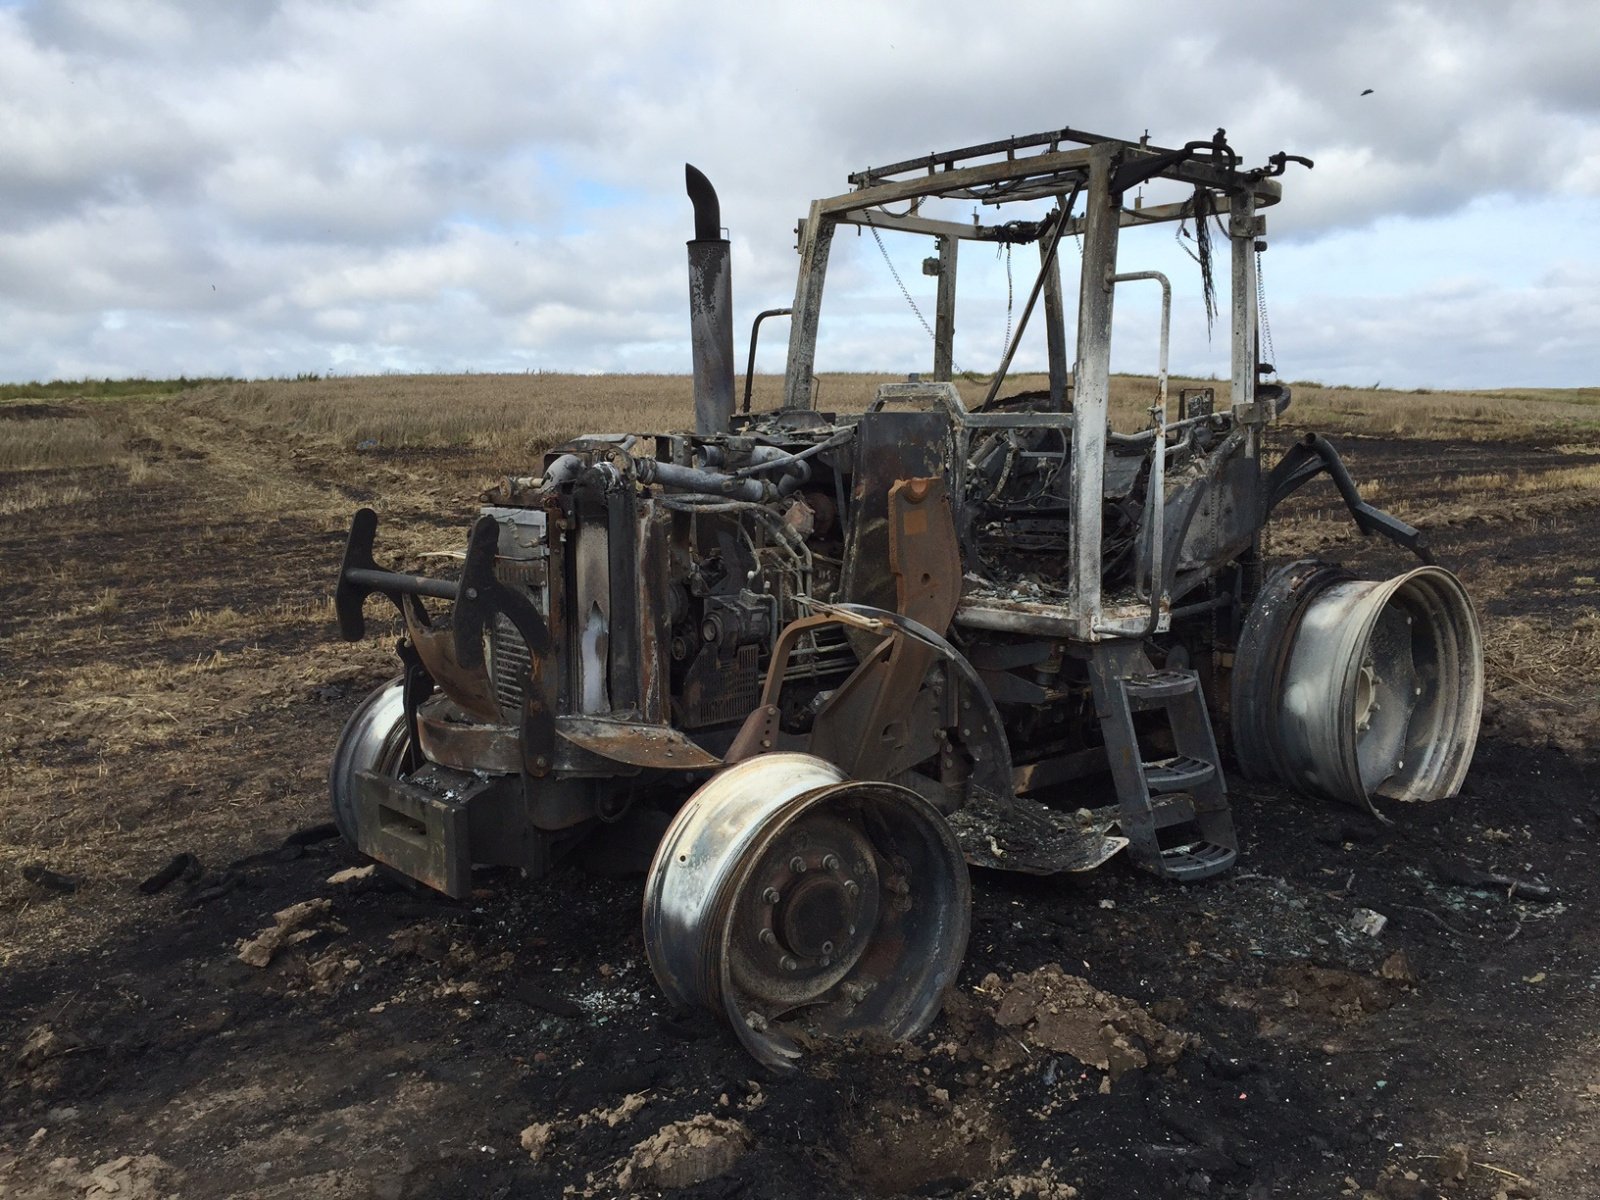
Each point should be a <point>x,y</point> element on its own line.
<point>1368,92</point>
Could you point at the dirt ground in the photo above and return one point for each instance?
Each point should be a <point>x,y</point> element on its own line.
<point>175,685</point>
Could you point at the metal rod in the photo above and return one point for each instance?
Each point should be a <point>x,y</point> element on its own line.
<point>944,321</point>
<point>1091,395</point>
<point>1055,329</point>
<point>394,581</point>
<point>755,332</point>
<point>1049,256</point>
<point>1241,235</point>
<point>1156,497</point>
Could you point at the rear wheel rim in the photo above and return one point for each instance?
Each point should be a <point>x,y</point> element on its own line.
<point>375,738</point>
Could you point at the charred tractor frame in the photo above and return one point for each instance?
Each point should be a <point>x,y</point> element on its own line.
<point>837,657</point>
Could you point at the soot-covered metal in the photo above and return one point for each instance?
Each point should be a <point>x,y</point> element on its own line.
<point>818,659</point>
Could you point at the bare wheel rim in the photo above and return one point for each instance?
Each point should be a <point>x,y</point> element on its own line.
<point>375,738</point>
<point>798,905</point>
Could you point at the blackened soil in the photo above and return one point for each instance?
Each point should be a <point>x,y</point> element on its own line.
<point>447,1028</point>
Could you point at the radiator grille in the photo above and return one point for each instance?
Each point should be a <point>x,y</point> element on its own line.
<point>508,661</point>
<point>508,652</point>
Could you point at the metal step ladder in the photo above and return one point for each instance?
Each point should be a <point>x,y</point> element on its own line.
<point>1173,809</point>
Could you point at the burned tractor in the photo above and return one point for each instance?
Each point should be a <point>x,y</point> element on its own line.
<point>837,657</point>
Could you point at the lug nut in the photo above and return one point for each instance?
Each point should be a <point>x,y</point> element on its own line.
<point>830,862</point>
<point>788,963</point>
<point>767,937</point>
<point>797,865</point>
<point>771,895</point>
<point>852,888</point>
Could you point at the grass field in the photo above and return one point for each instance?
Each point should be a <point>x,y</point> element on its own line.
<point>519,416</point>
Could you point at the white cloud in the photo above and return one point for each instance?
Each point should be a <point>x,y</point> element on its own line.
<point>261,187</point>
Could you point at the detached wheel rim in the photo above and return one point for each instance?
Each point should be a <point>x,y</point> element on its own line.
<point>1353,689</point>
<point>797,905</point>
<point>375,738</point>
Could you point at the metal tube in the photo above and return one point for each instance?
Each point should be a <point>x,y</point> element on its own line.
<point>1063,215</point>
<point>394,581</point>
<point>1241,235</point>
<point>1092,393</point>
<point>755,331</point>
<point>710,310</point>
<point>1166,328</point>
<point>692,479</point>
<point>1155,503</point>
<point>760,465</point>
<point>944,321</point>
<point>564,468</point>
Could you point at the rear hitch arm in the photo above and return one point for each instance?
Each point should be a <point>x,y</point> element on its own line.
<point>1311,456</point>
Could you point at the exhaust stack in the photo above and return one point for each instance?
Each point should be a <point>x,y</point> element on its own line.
<point>710,309</point>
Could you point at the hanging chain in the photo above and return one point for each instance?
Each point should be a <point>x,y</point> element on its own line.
<point>955,367</point>
<point>1010,297</point>
<point>1261,314</point>
<point>928,329</point>
<point>904,291</point>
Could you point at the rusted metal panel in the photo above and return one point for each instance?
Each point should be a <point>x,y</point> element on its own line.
<point>467,745</point>
<point>923,554</point>
<point>636,744</point>
<point>470,687</point>
<point>889,446</point>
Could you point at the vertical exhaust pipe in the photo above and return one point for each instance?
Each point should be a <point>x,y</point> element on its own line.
<point>710,309</point>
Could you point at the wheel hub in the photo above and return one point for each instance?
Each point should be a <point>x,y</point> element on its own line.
<point>806,912</point>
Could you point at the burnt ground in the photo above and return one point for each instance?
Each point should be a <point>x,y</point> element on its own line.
<point>402,1048</point>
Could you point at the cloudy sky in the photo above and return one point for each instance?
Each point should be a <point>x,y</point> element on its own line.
<point>260,188</point>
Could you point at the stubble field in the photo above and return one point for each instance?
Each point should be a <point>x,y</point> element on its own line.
<point>174,684</point>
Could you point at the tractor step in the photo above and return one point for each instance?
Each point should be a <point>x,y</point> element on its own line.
<point>1173,809</point>
<point>1156,689</point>
<point>1180,773</point>
<point>1199,860</point>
